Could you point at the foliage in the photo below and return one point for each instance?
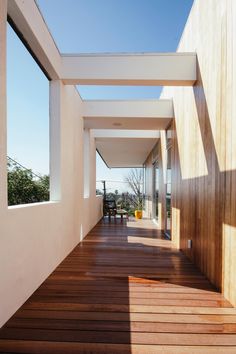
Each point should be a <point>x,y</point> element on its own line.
<point>135,182</point>
<point>23,188</point>
<point>114,196</point>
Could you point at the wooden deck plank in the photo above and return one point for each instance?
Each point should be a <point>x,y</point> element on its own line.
<point>122,337</point>
<point>101,325</point>
<point>38,347</point>
<point>119,316</point>
<point>123,289</point>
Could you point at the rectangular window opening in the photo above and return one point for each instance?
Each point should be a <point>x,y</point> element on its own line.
<point>86,163</point>
<point>28,125</point>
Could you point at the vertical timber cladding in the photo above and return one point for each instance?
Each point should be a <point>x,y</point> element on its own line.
<point>204,146</point>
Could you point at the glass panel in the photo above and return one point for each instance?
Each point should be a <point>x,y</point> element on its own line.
<point>156,188</point>
<point>144,188</point>
<point>168,192</point>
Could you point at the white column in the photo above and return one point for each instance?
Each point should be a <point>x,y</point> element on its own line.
<point>86,163</point>
<point>55,139</point>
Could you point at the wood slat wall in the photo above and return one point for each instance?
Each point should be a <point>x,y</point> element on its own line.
<point>204,145</point>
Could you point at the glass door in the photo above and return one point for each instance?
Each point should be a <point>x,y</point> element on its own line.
<point>168,189</point>
<point>155,190</point>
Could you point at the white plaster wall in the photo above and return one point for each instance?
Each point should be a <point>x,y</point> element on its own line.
<point>36,238</point>
<point>92,213</point>
<point>92,204</point>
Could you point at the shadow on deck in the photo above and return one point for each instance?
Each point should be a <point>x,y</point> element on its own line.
<point>123,289</point>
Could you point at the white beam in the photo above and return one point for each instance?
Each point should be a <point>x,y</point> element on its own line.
<point>128,109</point>
<point>27,18</point>
<point>143,114</point>
<point>161,69</point>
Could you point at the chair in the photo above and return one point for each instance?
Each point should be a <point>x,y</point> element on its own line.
<point>109,208</point>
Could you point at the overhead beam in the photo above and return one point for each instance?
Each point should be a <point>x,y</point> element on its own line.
<point>162,69</point>
<point>138,115</point>
<point>128,108</point>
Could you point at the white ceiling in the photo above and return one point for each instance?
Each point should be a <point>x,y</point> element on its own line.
<point>116,133</point>
<point>125,152</point>
<point>126,131</point>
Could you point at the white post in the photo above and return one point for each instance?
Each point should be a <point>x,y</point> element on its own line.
<point>86,163</point>
<point>55,139</point>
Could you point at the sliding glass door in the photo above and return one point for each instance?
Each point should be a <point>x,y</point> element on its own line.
<point>168,185</point>
<point>155,190</point>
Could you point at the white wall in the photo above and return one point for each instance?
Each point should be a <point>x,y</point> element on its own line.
<point>92,206</point>
<point>35,238</point>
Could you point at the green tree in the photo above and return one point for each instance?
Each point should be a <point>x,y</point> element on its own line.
<point>23,188</point>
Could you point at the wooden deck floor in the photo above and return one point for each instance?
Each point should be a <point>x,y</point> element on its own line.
<point>124,289</point>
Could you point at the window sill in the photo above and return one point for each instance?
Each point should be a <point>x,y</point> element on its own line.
<point>31,205</point>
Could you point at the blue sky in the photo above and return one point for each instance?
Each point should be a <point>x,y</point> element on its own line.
<point>84,26</point>
<point>27,108</point>
<point>115,25</point>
